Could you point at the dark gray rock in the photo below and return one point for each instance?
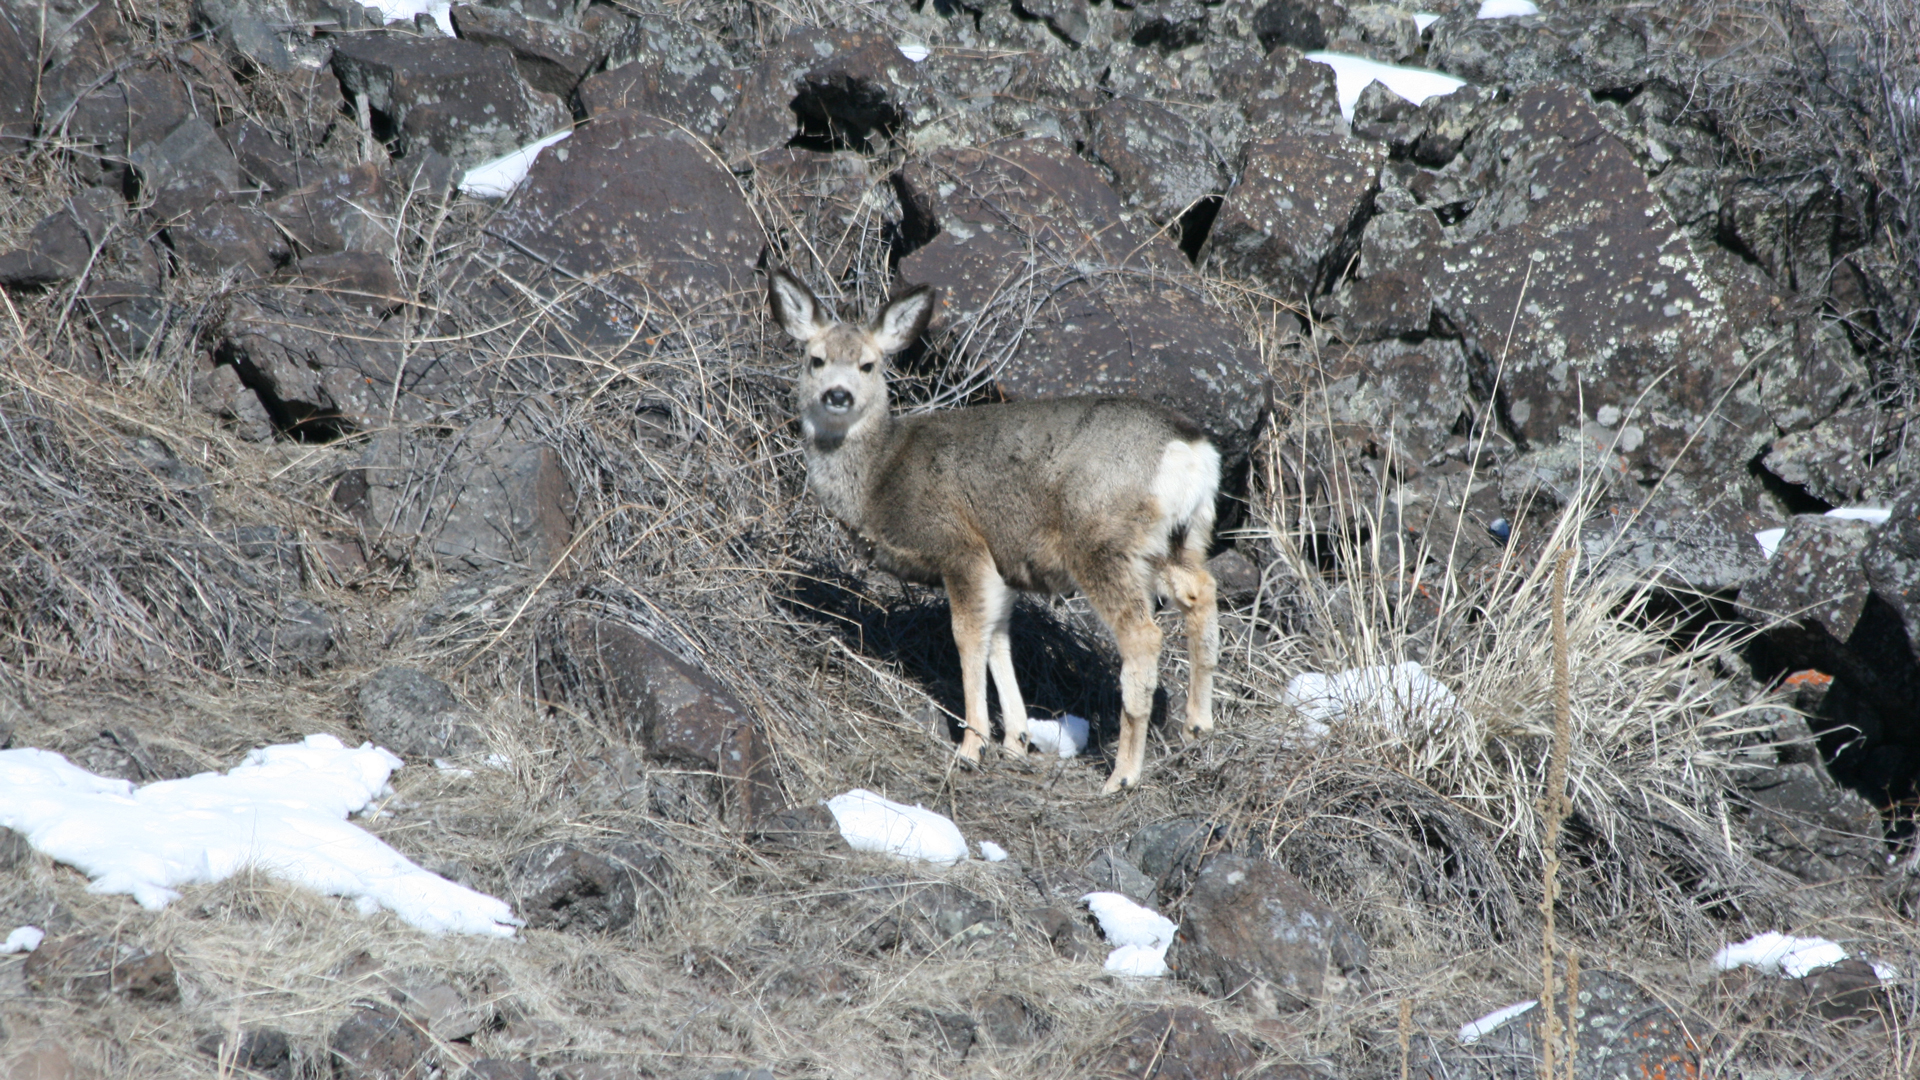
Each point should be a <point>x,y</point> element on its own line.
<point>263,161</point>
<point>356,278</point>
<point>1009,1019</point>
<point>106,116</point>
<point>1450,118</point>
<point>223,239</point>
<point>1235,577</point>
<point>551,58</point>
<point>681,713</point>
<point>257,1051</point>
<point>1250,930</point>
<point>563,887</point>
<point>1285,93</point>
<point>951,1034</point>
<point>1294,204</point>
<point>807,829</point>
<point>1173,1043</point>
<point>1843,459</point>
<point>411,712</point>
<point>1305,25</point>
<point>1589,50</point>
<point>1160,163</point>
<point>64,242</point>
<point>1067,18</point>
<point>1111,872</point>
<point>334,209</point>
<point>667,68</point>
<point>1171,852</point>
<point>559,12</point>
<point>376,1042</point>
<point>1384,116</point>
<point>1815,576</point>
<point>1037,261</point>
<point>1408,396</point>
<point>129,314</point>
<point>1804,823</point>
<point>1620,1031</point>
<point>187,169</point>
<point>1168,25</point>
<point>474,499</point>
<point>643,208</point>
<point>461,98</point>
<point>1384,32</point>
<point>1848,990</point>
<point>1893,561</point>
<point>303,636</point>
<point>19,64</point>
<point>1710,548</point>
<point>498,1069</point>
<point>834,88</point>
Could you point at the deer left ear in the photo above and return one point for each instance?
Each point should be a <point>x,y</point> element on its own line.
<point>904,318</point>
<point>794,306</point>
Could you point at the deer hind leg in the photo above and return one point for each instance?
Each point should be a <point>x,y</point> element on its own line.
<point>1013,708</point>
<point>1191,588</point>
<point>1120,595</point>
<point>971,595</point>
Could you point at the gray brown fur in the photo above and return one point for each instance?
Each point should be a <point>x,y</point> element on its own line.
<point>1112,496</point>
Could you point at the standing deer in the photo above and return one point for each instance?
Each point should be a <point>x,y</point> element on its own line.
<point>1110,495</point>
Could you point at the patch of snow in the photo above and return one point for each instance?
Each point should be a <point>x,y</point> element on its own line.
<point>914,51</point>
<point>1351,74</point>
<point>1066,736</point>
<point>1886,973</point>
<point>1872,515</point>
<point>496,179</point>
<point>1780,954</point>
<point>23,939</point>
<point>1406,698</point>
<point>992,852</point>
<point>871,823</point>
<point>1769,540</point>
<point>282,810</point>
<point>1472,1030</point>
<point>1424,19</point>
<point>1507,9</point>
<point>404,11</point>
<point>1140,936</point>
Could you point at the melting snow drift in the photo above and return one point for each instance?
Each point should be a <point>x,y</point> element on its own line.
<point>871,823</point>
<point>1472,1030</point>
<point>496,179</point>
<point>282,810</point>
<point>1792,957</point>
<point>1140,935</point>
<point>1066,736</point>
<point>1402,696</point>
<point>1351,74</point>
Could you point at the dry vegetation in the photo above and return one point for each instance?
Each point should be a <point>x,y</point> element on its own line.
<point>122,601</point>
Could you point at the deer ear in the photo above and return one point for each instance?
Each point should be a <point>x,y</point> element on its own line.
<point>903,319</point>
<point>794,306</point>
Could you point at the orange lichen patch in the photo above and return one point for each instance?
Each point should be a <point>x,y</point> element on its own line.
<point>1809,679</point>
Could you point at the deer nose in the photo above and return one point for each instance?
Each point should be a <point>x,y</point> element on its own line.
<point>837,399</point>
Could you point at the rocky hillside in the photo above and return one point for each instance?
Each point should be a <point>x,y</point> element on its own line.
<point>311,423</point>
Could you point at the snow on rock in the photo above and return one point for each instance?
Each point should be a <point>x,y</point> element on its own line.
<point>1402,696</point>
<point>1783,954</point>
<point>1351,74</point>
<point>405,10</point>
<point>1424,19</point>
<point>871,823</point>
<point>914,51</point>
<point>1066,736</point>
<point>496,179</point>
<point>282,810</point>
<point>1472,1030</point>
<point>1507,9</point>
<point>992,852</point>
<point>1140,936</point>
<point>1769,540</point>
<point>23,939</point>
<point>1872,515</point>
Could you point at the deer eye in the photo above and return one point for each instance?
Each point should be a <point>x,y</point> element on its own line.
<point>819,362</point>
<point>866,367</point>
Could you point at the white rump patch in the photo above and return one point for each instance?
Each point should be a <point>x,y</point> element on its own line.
<point>1187,482</point>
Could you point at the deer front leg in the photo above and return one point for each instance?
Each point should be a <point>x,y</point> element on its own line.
<point>972,629</point>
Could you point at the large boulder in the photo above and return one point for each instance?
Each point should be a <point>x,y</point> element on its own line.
<point>1893,562</point>
<point>1815,576</point>
<point>834,89</point>
<point>1251,930</point>
<point>1060,292</point>
<point>1296,201</point>
<point>1619,1030</point>
<point>642,208</point>
<point>667,68</point>
<point>1160,162</point>
<point>460,98</point>
<point>1172,1043</point>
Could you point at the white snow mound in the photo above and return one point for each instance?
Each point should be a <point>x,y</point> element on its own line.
<point>23,939</point>
<point>1507,9</point>
<point>1872,515</point>
<point>1351,74</point>
<point>282,810</point>
<point>1066,736</point>
<point>992,852</point>
<point>871,823</point>
<point>1401,696</point>
<point>1140,936</point>
<point>496,179</point>
<point>1780,954</point>
<point>1472,1030</point>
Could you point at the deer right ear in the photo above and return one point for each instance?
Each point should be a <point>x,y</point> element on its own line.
<point>903,319</point>
<point>794,306</point>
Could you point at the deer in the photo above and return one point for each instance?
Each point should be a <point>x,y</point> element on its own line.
<point>1112,496</point>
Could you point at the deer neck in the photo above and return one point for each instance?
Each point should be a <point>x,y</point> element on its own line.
<point>838,470</point>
